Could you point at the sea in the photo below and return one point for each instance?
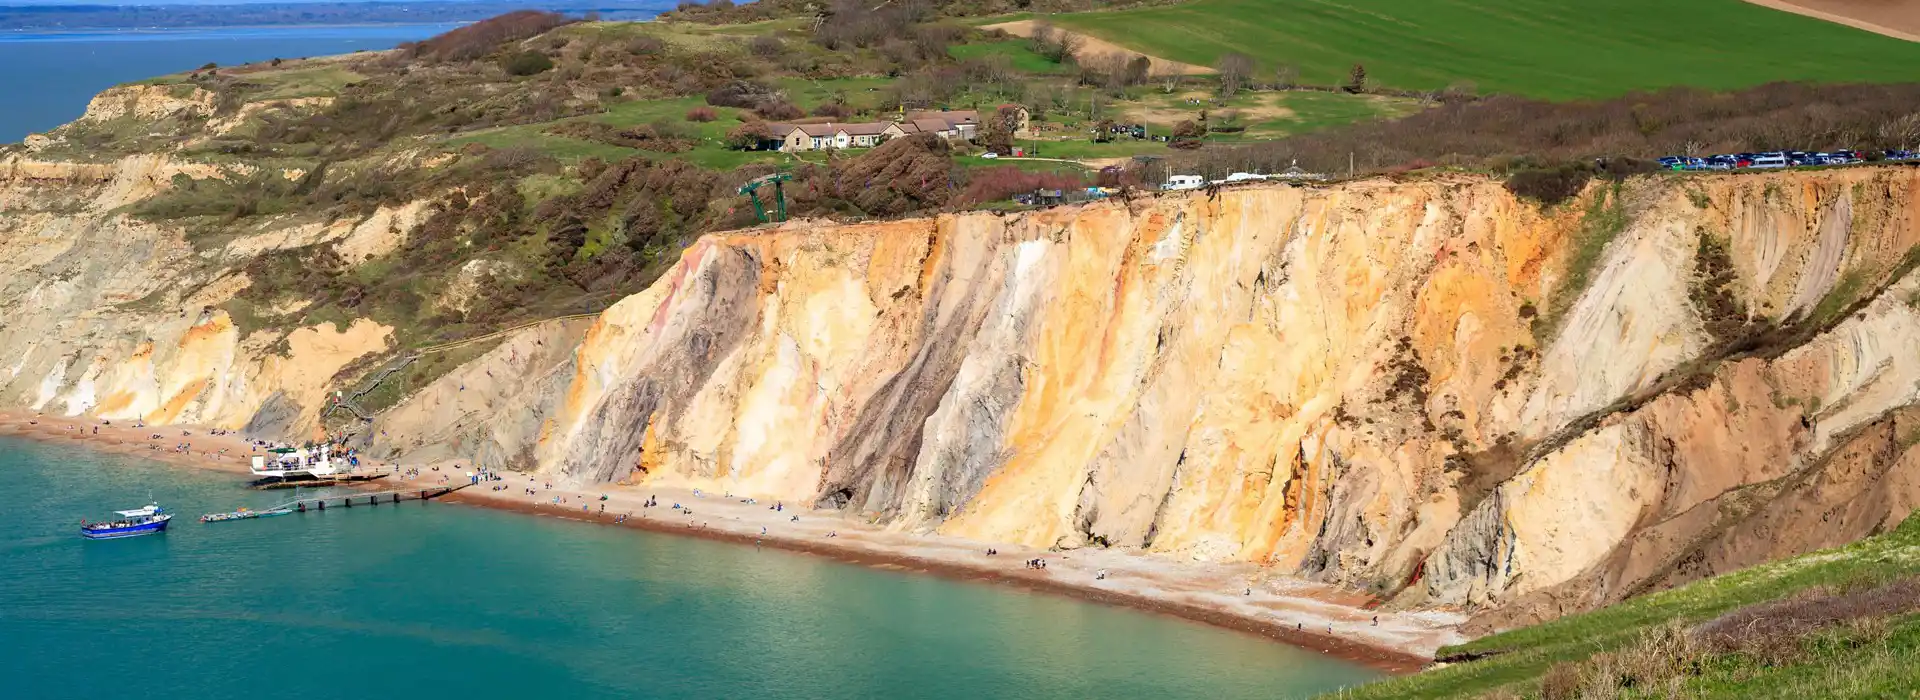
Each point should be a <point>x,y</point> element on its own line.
<point>441,600</point>
<point>48,77</point>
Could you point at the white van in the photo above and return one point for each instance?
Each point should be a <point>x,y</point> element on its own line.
<point>1184,182</point>
<point>1770,160</point>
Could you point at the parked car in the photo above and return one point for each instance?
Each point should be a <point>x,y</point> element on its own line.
<point>1673,163</point>
<point>1722,163</point>
<point>1845,157</point>
<point>1770,160</point>
<point>1900,155</point>
<point>989,154</point>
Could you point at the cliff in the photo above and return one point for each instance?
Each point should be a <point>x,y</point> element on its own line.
<point>1426,389</point>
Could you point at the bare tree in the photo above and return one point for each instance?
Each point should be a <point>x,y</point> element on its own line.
<point>1234,68</point>
<point>1053,44</point>
<point>1286,76</point>
<point>1904,131</point>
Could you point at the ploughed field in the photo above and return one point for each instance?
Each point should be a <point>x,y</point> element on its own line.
<point>1538,48</point>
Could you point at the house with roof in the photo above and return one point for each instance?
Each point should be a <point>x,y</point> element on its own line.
<point>805,137</point>
<point>863,135</point>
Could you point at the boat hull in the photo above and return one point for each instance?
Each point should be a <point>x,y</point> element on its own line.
<point>115,533</point>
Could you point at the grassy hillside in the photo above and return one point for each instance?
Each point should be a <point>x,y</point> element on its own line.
<point>1541,48</point>
<point>1831,624</point>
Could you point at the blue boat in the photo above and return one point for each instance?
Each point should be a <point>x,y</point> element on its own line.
<point>131,523</point>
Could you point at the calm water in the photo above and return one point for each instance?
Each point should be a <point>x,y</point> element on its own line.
<point>46,79</point>
<point>439,600</point>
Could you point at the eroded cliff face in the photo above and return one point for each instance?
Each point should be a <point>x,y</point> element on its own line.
<point>106,315</point>
<point>1427,389</point>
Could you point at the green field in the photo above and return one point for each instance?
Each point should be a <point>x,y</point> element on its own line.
<point>1018,55</point>
<point>1542,48</point>
<point>1515,661</point>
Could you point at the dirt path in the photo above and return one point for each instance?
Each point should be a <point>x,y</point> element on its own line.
<point>1899,19</point>
<point>1092,46</point>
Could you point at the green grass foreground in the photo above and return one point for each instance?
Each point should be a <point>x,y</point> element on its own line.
<point>1540,48</point>
<point>1515,663</point>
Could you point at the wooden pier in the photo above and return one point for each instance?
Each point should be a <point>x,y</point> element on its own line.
<point>320,504</point>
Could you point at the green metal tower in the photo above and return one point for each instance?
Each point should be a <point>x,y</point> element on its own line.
<point>779,196</point>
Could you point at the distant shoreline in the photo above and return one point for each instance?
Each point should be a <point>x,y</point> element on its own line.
<point>1147,583</point>
<point>56,18</point>
<point>6,34</point>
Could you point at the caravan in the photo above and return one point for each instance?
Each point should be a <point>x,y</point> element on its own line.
<point>1184,182</point>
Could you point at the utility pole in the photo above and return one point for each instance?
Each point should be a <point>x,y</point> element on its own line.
<point>1349,165</point>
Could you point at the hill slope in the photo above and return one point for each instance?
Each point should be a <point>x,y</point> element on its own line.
<point>1832,653</point>
<point>1538,48</point>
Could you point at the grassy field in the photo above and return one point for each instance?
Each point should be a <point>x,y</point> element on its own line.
<point>1018,55</point>
<point>1515,661</point>
<point>1541,48</point>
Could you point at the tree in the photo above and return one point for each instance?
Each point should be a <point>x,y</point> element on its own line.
<point>1233,69</point>
<point>1053,44</point>
<point>997,134</point>
<point>1138,69</point>
<point>749,135</point>
<point>1286,76</point>
<point>1357,79</point>
<point>1904,131</point>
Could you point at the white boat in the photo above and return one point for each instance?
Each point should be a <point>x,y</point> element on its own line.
<point>299,464</point>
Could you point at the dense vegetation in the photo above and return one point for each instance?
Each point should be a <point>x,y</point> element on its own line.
<point>1840,623</point>
<point>1512,133</point>
<point>1538,48</point>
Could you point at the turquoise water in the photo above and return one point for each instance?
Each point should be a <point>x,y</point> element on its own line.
<point>48,77</point>
<point>439,600</point>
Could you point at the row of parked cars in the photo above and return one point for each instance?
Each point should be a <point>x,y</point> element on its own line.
<point>1777,159</point>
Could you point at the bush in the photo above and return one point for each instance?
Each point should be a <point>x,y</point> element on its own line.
<point>526,63</point>
<point>749,135</point>
<point>702,114</point>
<point>832,109</point>
<point>1550,186</point>
<point>744,94</point>
<point>767,46</point>
<point>777,110</point>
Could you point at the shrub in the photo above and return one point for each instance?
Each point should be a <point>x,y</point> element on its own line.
<point>644,45</point>
<point>836,110</point>
<point>749,135</point>
<point>767,46</point>
<point>744,94</point>
<point>702,114</point>
<point>526,63</point>
<point>778,110</point>
<point>1188,129</point>
<point>995,184</point>
<point>1550,186</point>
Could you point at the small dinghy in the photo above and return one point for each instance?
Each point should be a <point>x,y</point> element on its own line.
<point>131,523</point>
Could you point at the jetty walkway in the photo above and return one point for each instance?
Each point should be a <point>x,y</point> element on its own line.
<point>345,500</point>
